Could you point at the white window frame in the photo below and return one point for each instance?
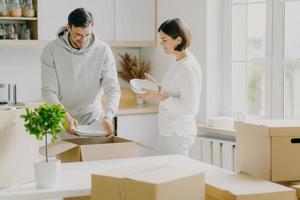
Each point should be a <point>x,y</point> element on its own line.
<point>274,76</point>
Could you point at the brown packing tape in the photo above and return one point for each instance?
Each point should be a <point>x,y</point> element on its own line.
<point>78,198</point>
<point>209,198</point>
<point>126,183</point>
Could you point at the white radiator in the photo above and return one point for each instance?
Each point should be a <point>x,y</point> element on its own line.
<point>214,151</point>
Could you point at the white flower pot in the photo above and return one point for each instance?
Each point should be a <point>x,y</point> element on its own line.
<point>47,174</point>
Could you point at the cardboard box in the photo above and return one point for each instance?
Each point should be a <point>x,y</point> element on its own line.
<point>78,198</point>
<point>244,187</point>
<point>209,198</point>
<point>149,182</point>
<point>18,149</point>
<point>93,148</point>
<point>267,149</point>
<point>297,188</point>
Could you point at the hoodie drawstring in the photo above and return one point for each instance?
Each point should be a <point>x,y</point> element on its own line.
<point>73,62</point>
<point>85,68</point>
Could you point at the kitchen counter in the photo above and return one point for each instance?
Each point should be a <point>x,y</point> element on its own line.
<point>137,109</point>
<point>209,129</point>
<point>76,177</point>
<point>126,109</point>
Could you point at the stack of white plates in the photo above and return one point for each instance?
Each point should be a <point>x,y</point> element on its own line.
<point>140,86</point>
<point>91,130</point>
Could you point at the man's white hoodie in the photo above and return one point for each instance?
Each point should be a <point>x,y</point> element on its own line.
<point>74,78</point>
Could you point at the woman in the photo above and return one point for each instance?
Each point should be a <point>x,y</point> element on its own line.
<point>180,91</point>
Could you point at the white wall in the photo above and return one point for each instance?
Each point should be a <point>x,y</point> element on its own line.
<point>22,66</point>
<point>214,57</point>
<point>204,20</point>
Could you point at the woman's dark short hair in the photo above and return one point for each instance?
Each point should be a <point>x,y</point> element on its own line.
<point>80,17</point>
<point>177,28</point>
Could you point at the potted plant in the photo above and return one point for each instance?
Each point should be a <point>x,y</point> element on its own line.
<point>131,69</point>
<point>42,122</point>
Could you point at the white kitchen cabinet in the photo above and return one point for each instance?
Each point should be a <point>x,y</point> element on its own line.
<point>135,20</point>
<point>142,128</point>
<point>120,23</point>
<point>54,14</point>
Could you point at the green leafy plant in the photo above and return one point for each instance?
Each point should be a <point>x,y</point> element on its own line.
<point>45,120</point>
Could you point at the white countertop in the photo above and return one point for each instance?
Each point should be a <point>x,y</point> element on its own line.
<point>138,109</point>
<point>76,177</point>
<point>219,130</point>
<point>123,110</point>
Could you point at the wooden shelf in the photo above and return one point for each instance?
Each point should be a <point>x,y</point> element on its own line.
<point>19,18</point>
<point>23,43</point>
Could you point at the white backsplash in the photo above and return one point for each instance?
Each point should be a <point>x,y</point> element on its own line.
<point>22,66</point>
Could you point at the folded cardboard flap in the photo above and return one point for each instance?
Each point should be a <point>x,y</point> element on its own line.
<point>108,150</point>
<point>93,148</point>
<point>57,148</point>
<point>244,187</point>
<point>96,140</point>
<point>297,188</point>
<point>153,182</point>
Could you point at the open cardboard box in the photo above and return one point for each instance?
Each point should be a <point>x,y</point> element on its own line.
<point>296,186</point>
<point>92,148</point>
<point>149,182</point>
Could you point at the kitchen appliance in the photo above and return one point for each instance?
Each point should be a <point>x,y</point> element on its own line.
<point>8,94</point>
<point>3,94</point>
<point>12,94</point>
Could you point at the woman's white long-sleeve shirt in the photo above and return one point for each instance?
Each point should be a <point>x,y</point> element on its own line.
<point>182,83</point>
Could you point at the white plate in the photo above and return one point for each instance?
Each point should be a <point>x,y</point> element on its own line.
<point>140,85</point>
<point>91,130</point>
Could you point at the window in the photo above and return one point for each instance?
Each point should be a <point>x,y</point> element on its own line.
<point>264,65</point>
<point>291,59</point>
<point>248,60</point>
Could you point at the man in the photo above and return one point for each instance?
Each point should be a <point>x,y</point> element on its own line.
<point>75,67</point>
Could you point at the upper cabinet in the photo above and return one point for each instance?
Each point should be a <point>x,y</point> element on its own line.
<point>120,23</point>
<point>136,21</point>
<point>54,14</point>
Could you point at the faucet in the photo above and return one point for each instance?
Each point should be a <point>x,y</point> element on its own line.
<point>12,94</point>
